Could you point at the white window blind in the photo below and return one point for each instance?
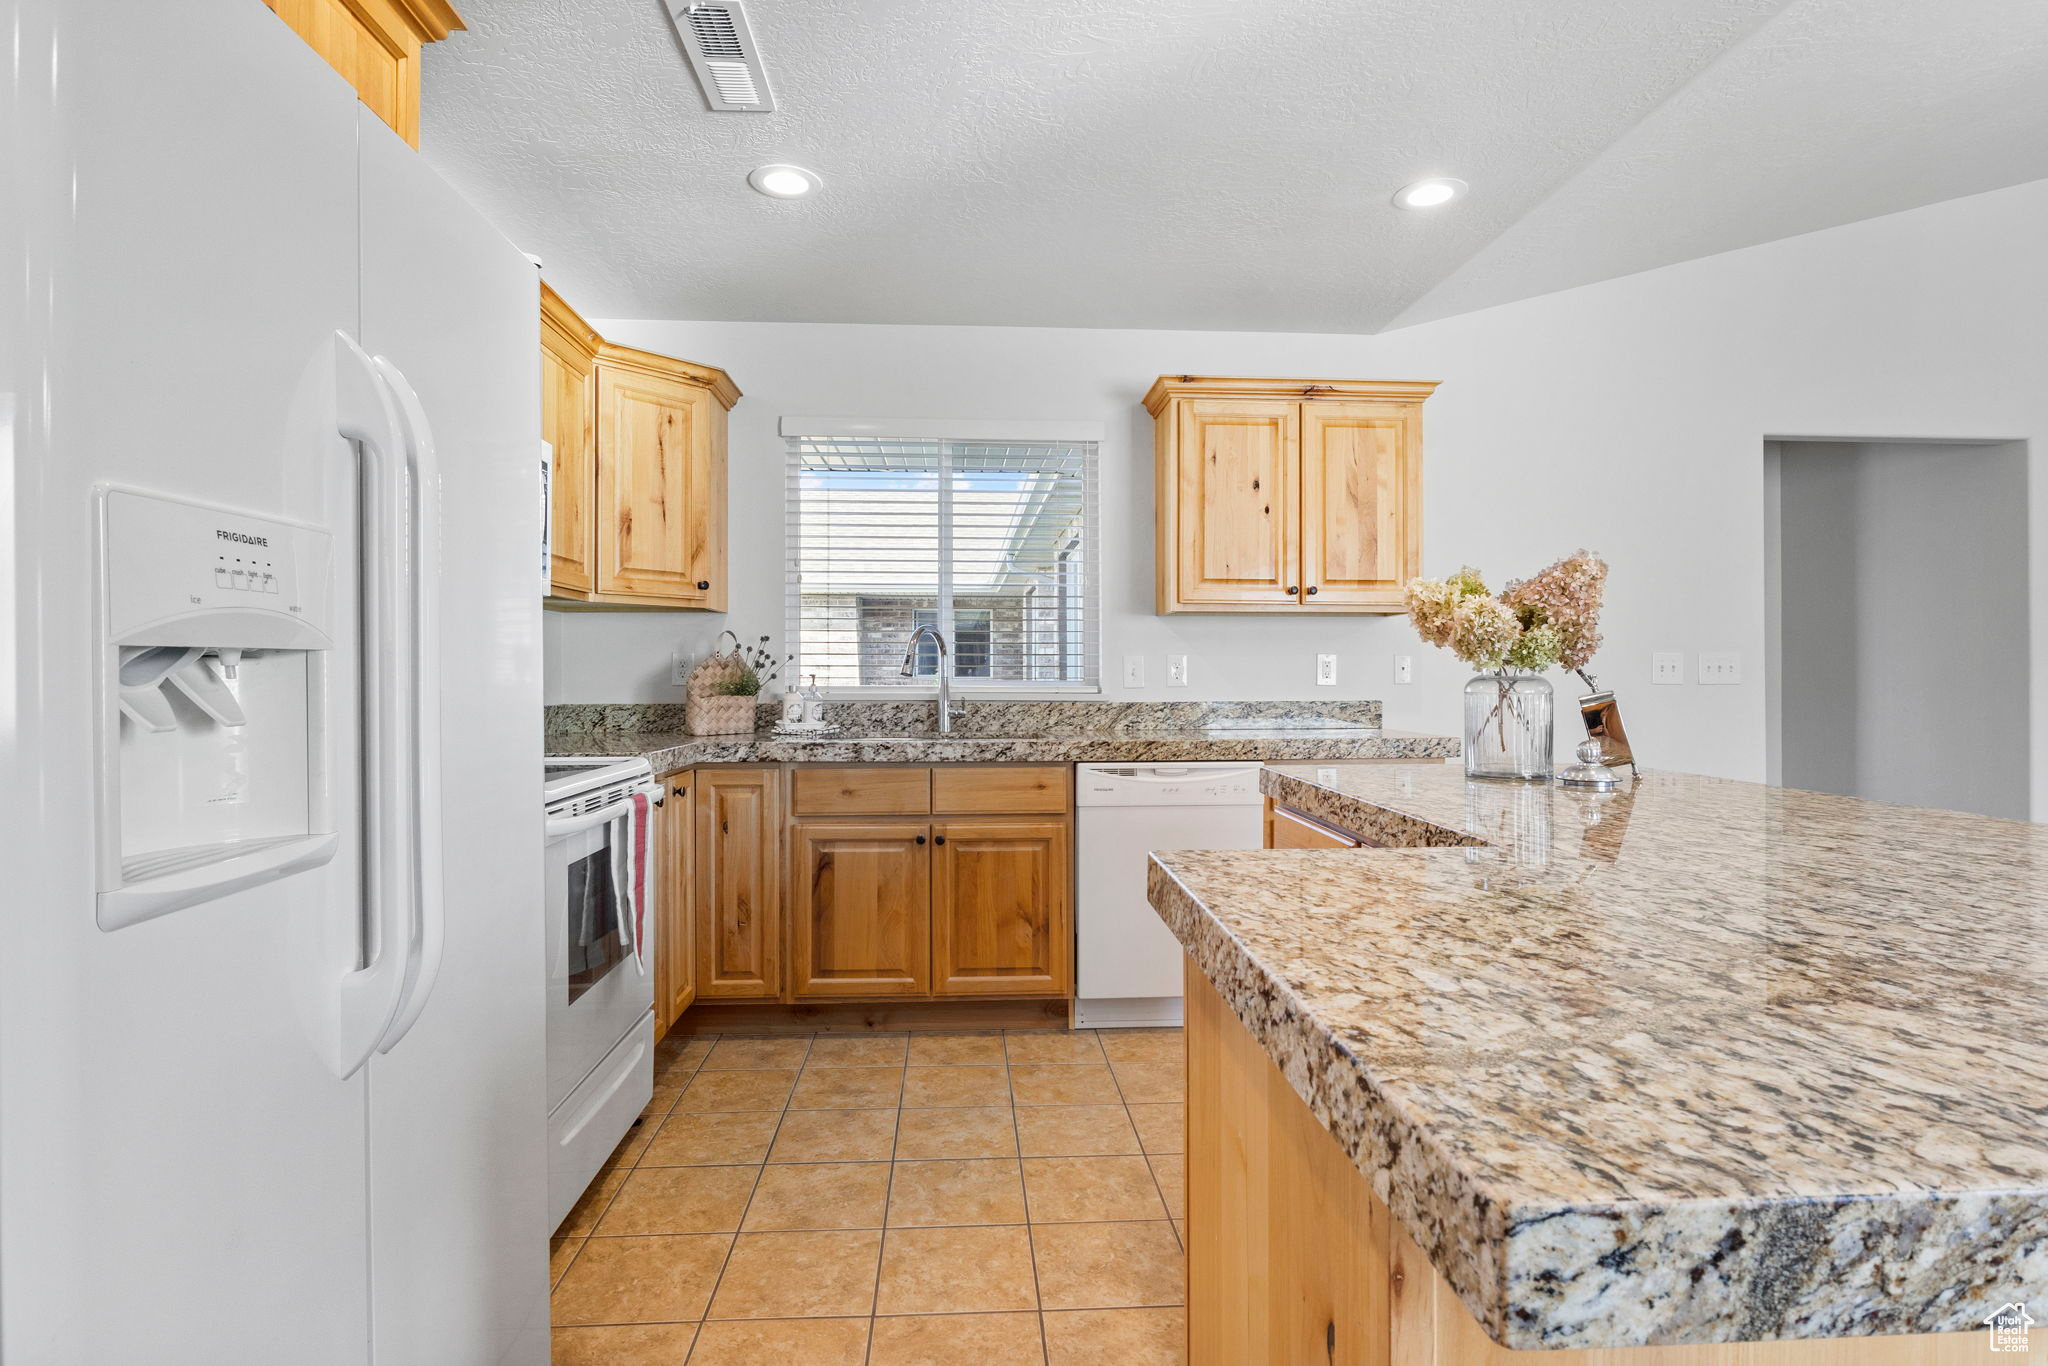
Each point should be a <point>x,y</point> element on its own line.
<point>992,542</point>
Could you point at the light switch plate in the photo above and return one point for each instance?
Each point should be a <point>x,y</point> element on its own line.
<point>1404,668</point>
<point>1667,667</point>
<point>1176,671</point>
<point>1134,671</point>
<point>1720,668</point>
<point>1326,671</point>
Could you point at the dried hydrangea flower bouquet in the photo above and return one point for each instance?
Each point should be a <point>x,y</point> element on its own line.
<point>1551,620</point>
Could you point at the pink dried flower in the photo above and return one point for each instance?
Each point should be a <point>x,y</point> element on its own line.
<point>1567,598</point>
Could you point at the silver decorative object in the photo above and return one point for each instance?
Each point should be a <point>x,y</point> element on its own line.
<point>1591,771</point>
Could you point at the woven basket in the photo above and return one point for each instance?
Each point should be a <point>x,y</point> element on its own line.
<point>707,710</point>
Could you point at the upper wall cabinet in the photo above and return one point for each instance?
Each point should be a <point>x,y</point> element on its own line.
<point>568,423</point>
<point>375,45</point>
<point>1287,495</point>
<point>637,501</point>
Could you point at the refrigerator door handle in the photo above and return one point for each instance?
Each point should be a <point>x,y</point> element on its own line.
<point>423,595</point>
<point>370,992</point>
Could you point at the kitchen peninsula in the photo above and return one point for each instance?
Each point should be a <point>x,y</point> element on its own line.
<point>1630,1077</point>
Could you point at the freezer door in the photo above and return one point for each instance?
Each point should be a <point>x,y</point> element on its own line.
<point>182,1175</point>
<point>458,1143</point>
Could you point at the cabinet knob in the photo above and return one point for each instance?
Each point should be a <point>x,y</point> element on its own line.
<point>703,584</point>
<point>1311,590</point>
<point>920,839</point>
<point>1292,590</point>
<point>682,791</point>
<point>938,839</point>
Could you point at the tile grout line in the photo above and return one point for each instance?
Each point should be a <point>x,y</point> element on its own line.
<point>1024,1188</point>
<point>888,1194</point>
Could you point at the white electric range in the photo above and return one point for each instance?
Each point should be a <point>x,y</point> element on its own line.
<point>600,969</point>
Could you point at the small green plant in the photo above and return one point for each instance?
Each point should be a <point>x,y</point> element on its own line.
<point>758,668</point>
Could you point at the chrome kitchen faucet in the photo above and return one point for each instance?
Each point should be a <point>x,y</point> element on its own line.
<point>924,629</point>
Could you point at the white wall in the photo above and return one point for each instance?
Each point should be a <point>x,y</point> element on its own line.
<point>1903,659</point>
<point>1626,417</point>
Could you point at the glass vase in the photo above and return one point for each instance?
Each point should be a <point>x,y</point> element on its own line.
<point>1507,725</point>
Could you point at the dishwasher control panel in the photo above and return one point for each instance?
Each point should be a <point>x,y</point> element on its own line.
<point>1209,783</point>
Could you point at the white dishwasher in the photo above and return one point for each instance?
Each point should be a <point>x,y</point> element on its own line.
<point>1129,962</point>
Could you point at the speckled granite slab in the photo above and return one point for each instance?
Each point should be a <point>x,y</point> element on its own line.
<point>670,749</point>
<point>1702,1062</point>
<point>1004,720</point>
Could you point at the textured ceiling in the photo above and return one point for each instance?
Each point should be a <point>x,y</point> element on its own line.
<point>1218,164</point>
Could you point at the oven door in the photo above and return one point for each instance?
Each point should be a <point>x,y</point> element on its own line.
<point>596,993</point>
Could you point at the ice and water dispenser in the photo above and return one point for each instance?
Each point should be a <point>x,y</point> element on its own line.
<point>216,637</point>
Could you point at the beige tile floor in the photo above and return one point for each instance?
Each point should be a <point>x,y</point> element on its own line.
<point>888,1200</point>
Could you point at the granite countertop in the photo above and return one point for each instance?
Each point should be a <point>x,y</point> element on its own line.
<point>671,749</point>
<point>999,732</point>
<point>1703,1061</point>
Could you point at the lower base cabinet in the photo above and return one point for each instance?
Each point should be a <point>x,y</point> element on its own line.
<point>886,883</point>
<point>675,965</point>
<point>860,912</point>
<point>1001,916</point>
<point>737,883</point>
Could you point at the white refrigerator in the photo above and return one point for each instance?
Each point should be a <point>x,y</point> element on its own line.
<point>272,1040</point>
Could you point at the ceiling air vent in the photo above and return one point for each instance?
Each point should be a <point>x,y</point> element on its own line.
<point>722,52</point>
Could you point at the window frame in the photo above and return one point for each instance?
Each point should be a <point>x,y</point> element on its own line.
<point>1078,605</point>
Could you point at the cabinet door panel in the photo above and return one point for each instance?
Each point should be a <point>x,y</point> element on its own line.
<point>1238,505</point>
<point>568,422</point>
<point>860,909</point>
<point>739,931</point>
<point>656,491</point>
<point>675,971</point>
<point>1001,908</point>
<point>1361,503</point>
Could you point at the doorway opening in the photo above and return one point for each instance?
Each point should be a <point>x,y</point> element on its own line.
<point>1896,621</point>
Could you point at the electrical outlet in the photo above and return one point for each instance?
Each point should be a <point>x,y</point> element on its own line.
<point>1134,671</point>
<point>1326,671</point>
<point>1176,671</point>
<point>1667,666</point>
<point>679,667</point>
<point>1720,667</point>
<point>1404,668</point>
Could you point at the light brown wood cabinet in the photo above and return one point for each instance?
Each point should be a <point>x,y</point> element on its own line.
<point>737,857</point>
<point>675,967</point>
<point>1001,908</point>
<point>375,45</point>
<point>1286,495</point>
<point>637,497</point>
<point>568,423</point>
<point>895,881</point>
<point>1287,828</point>
<point>860,908</point>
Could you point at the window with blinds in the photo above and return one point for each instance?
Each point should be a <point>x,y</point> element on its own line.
<point>991,542</point>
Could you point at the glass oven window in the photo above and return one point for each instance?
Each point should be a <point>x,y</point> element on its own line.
<point>595,944</point>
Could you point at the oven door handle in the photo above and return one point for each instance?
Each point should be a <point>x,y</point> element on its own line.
<point>560,826</point>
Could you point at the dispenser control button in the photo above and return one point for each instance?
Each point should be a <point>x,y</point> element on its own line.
<point>270,583</point>
<point>220,579</point>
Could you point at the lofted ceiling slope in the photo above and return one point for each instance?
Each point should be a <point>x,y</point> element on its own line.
<point>1213,164</point>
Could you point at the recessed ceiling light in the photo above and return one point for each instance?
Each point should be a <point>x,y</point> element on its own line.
<point>784,182</point>
<point>1428,194</point>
